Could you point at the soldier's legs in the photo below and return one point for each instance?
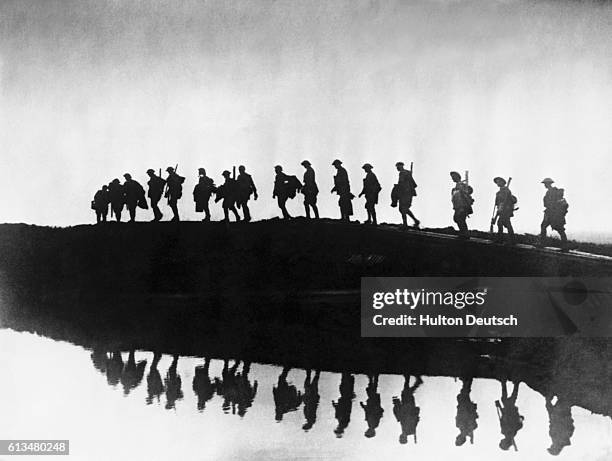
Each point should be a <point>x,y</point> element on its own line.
<point>104,213</point>
<point>98,216</point>
<point>173,206</point>
<point>246,211</point>
<point>132,211</point>
<point>282,201</point>
<point>316,211</point>
<point>416,221</point>
<point>307,209</point>
<point>374,216</point>
<point>206,212</point>
<point>157,214</point>
<point>543,227</point>
<point>226,214</point>
<point>236,215</point>
<point>117,211</point>
<point>459,218</point>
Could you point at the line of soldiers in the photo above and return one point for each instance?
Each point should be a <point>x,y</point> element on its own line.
<point>238,393</point>
<point>235,193</point>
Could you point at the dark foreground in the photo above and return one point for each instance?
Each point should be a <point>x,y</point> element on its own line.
<point>281,293</point>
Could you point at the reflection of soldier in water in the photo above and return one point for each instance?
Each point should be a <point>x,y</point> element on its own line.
<point>99,358</point>
<point>561,426</point>
<point>345,403</point>
<point>466,414</point>
<point>286,396</point>
<point>372,408</point>
<point>246,391</point>
<point>227,386</point>
<point>114,368</point>
<point>311,399</point>
<point>202,385</point>
<point>405,410</point>
<point>173,385</point>
<point>509,418</point>
<point>155,386</point>
<point>132,373</point>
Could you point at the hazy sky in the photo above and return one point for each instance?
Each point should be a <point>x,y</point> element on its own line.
<point>92,89</point>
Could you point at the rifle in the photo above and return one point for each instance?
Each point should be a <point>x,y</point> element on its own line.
<point>234,172</point>
<point>411,167</point>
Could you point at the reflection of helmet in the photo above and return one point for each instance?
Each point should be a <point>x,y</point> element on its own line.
<point>547,181</point>
<point>499,181</point>
<point>336,162</point>
<point>306,163</point>
<point>460,440</point>
<point>367,166</point>
<point>456,176</point>
<point>370,433</point>
<point>554,449</point>
<point>403,439</point>
<point>226,174</point>
<point>505,443</point>
<point>399,164</point>
<point>150,171</point>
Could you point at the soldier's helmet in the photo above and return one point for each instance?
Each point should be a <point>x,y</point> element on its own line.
<point>398,164</point>
<point>305,163</point>
<point>336,162</point>
<point>150,171</point>
<point>241,168</point>
<point>170,169</point>
<point>499,181</point>
<point>278,168</point>
<point>201,171</point>
<point>226,174</point>
<point>456,176</point>
<point>105,187</point>
<point>127,176</point>
<point>547,181</point>
<point>367,166</point>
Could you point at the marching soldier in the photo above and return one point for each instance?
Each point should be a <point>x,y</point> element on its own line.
<point>134,195</point>
<point>406,411</point>
<point>461,198</point>
<point>555,209</point>
<point>156,190</point>
<point>285,187</point>
<point>372,408</point>
<point>227,192</point>
<point>342,187</point>
<point>245,187</point>
<point>561,424</point>
<point>310,190</point>
<point>174,191</point>
<point>202,192</point>
<point>504,205</point>
<point>371,189</point>
<point>510,420</point>
<point>100,204</point>
<point>467,414</point>
<point>402,194</point>
<point>116,197</point>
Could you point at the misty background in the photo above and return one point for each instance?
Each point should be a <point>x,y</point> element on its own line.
<point>92,89</point>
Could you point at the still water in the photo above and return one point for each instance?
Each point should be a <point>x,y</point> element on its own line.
<point>143,406</point>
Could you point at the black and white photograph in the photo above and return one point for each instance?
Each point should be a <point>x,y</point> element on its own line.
<point>306,229</point>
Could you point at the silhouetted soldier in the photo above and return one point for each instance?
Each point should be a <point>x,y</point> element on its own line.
<point>227,192</point>
<point>202,192</point>
<point>285,187</point>
<point>245,187</point>
<point>402,194</point>
<point>504,204</point>
<point>114,369</point>
<point>461,198</point>
<point>100,204</point>
<point>246,391</point>
<point>310,190</point>
<point>116,197</point>
<point>202,385</point>
<point>509,418</point>
<point>344,405</point>
<point>466,414</point>
<point>286,396</point>
<point>372,408</point>
<point>555,209</point>
<point>173,385</point>
<point>132,374</point>
<point>371,189</point>
<point>342,187</point>
<point>174,191</point>
<point>561,424</point>
<point>155,386</point>
<point>156,190</point>
<point>134,195</point>
<point>405,410</point>
<point>227,386</point>
<point>311,399</point>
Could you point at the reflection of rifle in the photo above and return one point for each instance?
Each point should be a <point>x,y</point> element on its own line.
<point>499,416</point>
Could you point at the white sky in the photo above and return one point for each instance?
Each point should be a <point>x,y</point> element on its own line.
<point>90,90</point>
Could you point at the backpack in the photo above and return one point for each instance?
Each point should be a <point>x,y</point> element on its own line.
<point>293,186</point>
